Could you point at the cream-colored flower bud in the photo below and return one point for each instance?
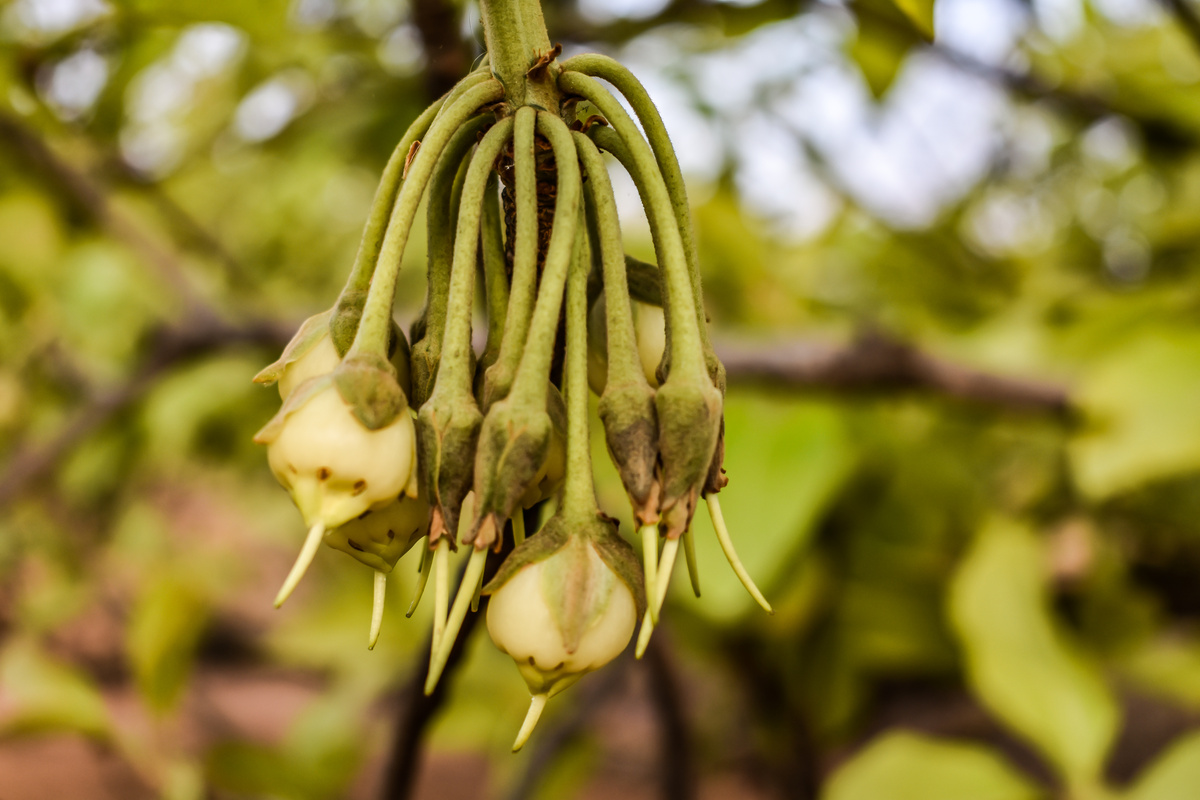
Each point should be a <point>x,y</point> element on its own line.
<point>560,618</point>
<point>334,467</point>
<point>650,326</point>
<point>381,537</point>
<point>319,359</point>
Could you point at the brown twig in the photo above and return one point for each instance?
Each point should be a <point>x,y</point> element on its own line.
<point>877,363</point>
<point>675,750</point>
<point>447,58</point>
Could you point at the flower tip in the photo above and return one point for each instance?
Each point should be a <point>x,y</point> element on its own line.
<point>377,608</point>
<point>307,553</point>
<point>537,704</point>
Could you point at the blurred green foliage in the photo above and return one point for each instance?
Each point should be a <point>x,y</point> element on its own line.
<point>971,601</point>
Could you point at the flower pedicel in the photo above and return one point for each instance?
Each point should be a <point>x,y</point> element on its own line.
<point>370,482</point>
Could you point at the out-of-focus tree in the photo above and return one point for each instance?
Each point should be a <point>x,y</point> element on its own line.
<point>952,259</point>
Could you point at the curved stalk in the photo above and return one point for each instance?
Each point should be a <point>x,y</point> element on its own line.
<point>689,554</point>
<point>472,79</point>
<point>376,320</point>
<point>495,277</point>
<point>665,567</point>
<point>525,253</point>
<point>601,66</point>
<point>687,354</point>
<point>537,704</point>
<point>385,197</point>
<point>454,372</point>
<point>579,491</point>
<point>440,216</point>
<point>531,379</point>
<point>623,361</point>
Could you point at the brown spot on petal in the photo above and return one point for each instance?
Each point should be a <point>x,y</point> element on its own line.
<point>360,486</point>
<point>292,469</point>
<point>323,473</point>
<point>391,535</point>
<point>355,545</point>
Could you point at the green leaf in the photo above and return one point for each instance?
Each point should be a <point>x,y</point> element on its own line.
<point>1018,662</point>
<point>1173,776</point>
<point>164,630</point>
<point>786,460</point>
<point>1142,404</point>
<point>48,695</point>
<point>905,766</point>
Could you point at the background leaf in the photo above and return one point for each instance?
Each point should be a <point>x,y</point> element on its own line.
<point>908,766</point>
<point>1018,661</point>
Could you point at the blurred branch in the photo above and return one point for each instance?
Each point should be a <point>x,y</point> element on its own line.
<point>877,363</point>
<point>566,22</point>
<point>568,728</point>
<point>91,199</point>
<point>172,346</point>
<point>675,749</point>
<point>418,709</point>
<point>440,24</point>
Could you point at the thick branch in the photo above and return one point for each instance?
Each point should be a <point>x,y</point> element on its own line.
<point>877,363</point>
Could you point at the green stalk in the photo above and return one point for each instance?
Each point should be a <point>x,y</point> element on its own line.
<point>495,277</point>
<point>440,223</point>
<point>472,79</point>
<point>579,493</point>
<point>530,382</point>
<point>454,372</point>
<point>623,362</point>
<point>385,198</point>
<point>611,70</point>
<point>687,354</point>
<point>373,329</point>
<point>524,279</point>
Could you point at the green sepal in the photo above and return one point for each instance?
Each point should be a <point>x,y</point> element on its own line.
<point>514,444</point>
<point>630,422</point>
<point>311,331</point>
<point>689,425</point>
<point>367,383</point>
<point>447,434</point>
<point>347,313</point>
<point>552,537</point>
<point>303,393</point>
<point>620,557</point>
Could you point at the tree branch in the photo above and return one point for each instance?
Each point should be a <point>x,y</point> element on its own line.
<point>675,748</point>
<point>877,363</point>
<point>173,346</point>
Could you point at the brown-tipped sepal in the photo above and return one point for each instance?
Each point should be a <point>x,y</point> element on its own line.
<point>514,446</point>
<point>630,422</point>
<point>689,424</point>
<point>447,435</point>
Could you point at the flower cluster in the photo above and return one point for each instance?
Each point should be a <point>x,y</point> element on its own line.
<point>380,446</point>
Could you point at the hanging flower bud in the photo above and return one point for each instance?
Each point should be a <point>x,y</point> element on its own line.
<point>379,538</point>
<point>563,604</point>
<point>689,425</point>
<point>650,329</point>
<point>318,347</point>
<point>342,444</point>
